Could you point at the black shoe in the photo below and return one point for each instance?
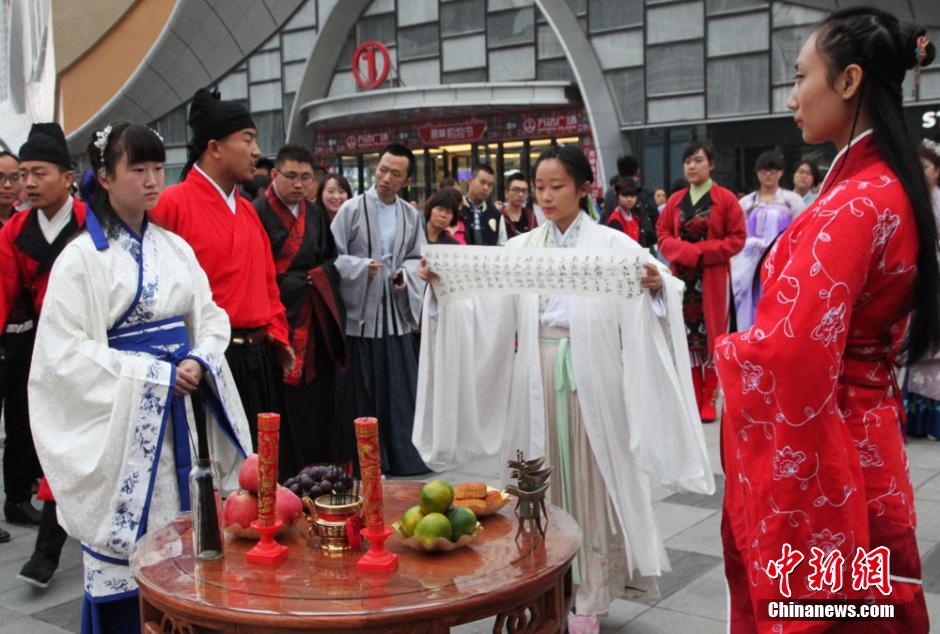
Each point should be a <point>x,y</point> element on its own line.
<point>21,513</point>
<point>4,536</point>
<point>38,571</point>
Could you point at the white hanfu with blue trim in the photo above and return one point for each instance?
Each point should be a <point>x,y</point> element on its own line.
<point>99,408</point>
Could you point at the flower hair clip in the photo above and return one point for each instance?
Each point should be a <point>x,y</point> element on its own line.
<point>920,55</point>
<point>101,140</point>
<point>156,134</point>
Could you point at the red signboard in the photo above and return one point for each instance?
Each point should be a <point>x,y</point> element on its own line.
<point>466,132</point>
<point>371,53</point>
<point>553,124</point>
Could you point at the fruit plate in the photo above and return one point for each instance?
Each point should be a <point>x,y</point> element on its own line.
<point>492,507</point>
<point>439,545</point>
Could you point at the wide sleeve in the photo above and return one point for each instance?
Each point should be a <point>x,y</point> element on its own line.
<point>410,301</point>
<point>674,248</point>
<point>464,379</point>
<point>11,280</point>
<point>353,269</point>
<point>95,412</point>
<point>664,427</point>
<point>796,459</point>
<point>721,250</point>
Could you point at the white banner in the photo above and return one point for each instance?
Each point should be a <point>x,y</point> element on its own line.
<point>465,271</point>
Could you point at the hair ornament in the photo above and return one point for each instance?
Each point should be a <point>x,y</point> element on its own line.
<point>156,134</point>
<point>920,56</point>
<point>101,141</point>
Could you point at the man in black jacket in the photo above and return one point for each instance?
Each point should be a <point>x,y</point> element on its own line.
<point>481,218</point>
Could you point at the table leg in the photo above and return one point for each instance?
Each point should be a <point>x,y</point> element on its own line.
<point>545,614</point>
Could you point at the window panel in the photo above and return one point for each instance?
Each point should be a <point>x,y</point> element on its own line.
<point>785,14</point>
<point>626,87</point>
<point>298,45</point>
<point>464,76</point>
<point>343,84</point>
<point>499,5</point>
<point>675,22</point>
<point>293,73</point>
<point>785,49</point>
<point>306,16</point>
<point>463,16</point>
<point>512,64</point>
<point>379,28</point>
<point>464,52</point>
<point>511,27</point>
<point>380,6</point>
<point>676,109</point>
<point>426,72</point>
<point>738,86</point>
<point>346,55</point>
<point>579,7</point>
<point>234,86</point>
<point>418,41</point>
<point>264,66</point>
<point>176,155</point>
<point>266,96</point>
<point>549,46</point>
<point>675,68</point>
<point>610,14</point>
<point>417,12</point>
<point>173,127</point>
<point>619,49</point>
<point>554,70</point>
<point>738,34</point>
<point>781,95</point>
<point>717,6</point>
<point>930,85</point>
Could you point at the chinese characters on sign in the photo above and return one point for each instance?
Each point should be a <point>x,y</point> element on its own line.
<point>470,271</point>
<point>869,569</point>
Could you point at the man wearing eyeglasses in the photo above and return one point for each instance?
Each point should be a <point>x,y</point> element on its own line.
<point>518,217</point>
<point>304,259</point>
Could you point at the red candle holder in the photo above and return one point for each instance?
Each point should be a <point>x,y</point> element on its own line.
<point>267,550</point>
<point>377,559</point>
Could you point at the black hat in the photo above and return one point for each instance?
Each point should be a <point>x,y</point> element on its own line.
<point>211,118</point>
<point>46,142</point>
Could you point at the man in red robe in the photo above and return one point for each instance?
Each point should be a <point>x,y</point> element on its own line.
<point>304,257</point>
<point>30,241</point>
<point>223,229</point>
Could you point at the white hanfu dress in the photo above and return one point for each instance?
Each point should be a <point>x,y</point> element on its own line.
<point>600,385</point>
<point>121,312</point>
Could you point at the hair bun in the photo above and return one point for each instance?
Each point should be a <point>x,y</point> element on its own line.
<point>919,51</point>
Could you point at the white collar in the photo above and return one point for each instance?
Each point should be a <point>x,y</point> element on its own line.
<point>374,194</point>
<point>561,237</point>
<point>51,228</point>
<point>858,137</point>
<point>230,198</point>
<point>294,209</point>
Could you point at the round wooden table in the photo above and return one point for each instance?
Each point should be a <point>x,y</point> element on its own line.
<point>526,586</point>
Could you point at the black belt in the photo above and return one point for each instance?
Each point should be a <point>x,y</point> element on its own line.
<point>248,336</point>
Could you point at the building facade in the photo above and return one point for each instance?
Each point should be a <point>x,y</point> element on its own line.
<point>462,81</point>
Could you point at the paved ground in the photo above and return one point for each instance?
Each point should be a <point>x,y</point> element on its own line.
<point>693,594</point>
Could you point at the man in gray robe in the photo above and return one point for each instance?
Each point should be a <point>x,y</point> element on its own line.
<point>378,240</point>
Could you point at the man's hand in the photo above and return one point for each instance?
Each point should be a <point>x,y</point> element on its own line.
<point>425,272</point>
<point>283,354</point>
<point>652,280</point>
<point>188,375</point>
<point>375,268</point>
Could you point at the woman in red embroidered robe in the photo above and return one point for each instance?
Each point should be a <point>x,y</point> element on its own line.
<point>700,229</point>
<point>812,442</point>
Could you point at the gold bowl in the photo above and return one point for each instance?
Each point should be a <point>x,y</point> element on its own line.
<point>328,515</point>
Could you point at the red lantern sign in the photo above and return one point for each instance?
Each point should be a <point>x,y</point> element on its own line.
<point>376,73</point>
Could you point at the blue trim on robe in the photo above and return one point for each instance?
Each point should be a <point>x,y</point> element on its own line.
<point>105,558</point>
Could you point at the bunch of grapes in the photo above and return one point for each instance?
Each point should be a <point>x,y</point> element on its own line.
<point>317,480</point>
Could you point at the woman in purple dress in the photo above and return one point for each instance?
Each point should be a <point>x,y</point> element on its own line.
<point>768,211</point>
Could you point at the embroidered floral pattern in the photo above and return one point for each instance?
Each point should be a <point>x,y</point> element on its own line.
<point>831,326</point>
<point>826,540</point>
<point>787,463</point>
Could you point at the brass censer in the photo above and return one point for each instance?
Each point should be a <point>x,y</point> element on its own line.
<point>336,520</point>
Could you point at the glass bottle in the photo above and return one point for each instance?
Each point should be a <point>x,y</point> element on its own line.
<point>206,502</point>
